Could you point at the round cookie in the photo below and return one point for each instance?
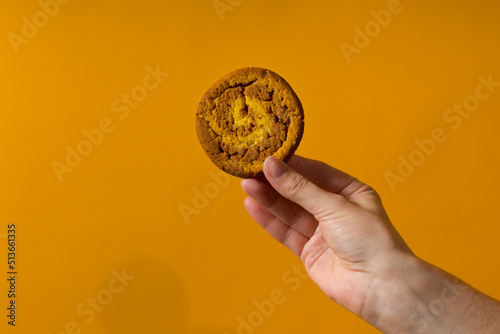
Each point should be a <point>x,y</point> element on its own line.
<point>247,116</point>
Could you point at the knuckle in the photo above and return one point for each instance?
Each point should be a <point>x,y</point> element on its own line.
<point>339,200</point>
<point>370,190</point>
<point>285,239</point>
<point>296,217</point>
<point>296,184</point>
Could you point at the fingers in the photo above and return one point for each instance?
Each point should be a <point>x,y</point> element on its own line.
<point>289,237</point>
<point>297,188</point>
<point>327,177</point>
<point>338,182</point>
<point>286,211</point>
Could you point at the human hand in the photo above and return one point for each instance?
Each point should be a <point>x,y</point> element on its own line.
<point>340,230</point>
<point>333,222</point>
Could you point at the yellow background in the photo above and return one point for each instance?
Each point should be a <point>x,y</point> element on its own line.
<point>120,207</point>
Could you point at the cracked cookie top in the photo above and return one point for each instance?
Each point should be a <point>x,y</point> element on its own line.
<point>246,116</point>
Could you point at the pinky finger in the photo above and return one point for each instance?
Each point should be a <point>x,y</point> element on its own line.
<point>289,237</point>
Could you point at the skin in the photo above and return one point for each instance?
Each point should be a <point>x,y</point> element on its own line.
<point>341,232</point>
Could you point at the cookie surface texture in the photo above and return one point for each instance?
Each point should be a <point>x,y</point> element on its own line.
<point>247,116</point>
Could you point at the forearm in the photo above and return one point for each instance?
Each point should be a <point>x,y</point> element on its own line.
<point>426,299</point>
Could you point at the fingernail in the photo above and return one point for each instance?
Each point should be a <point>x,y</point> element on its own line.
<point>245,185</point>
<point>243,182</point>
<point>276,167</point>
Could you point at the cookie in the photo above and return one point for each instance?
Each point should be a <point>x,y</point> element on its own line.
<point>247,116</point>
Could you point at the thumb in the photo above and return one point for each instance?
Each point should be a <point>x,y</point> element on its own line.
<point>297,188</point>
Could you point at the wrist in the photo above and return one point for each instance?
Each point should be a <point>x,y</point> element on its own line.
<point>413,296</point>
<point>392,300</point>
<point>417,297</point>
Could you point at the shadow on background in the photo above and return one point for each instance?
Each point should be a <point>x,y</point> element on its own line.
<point>153,302</point>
